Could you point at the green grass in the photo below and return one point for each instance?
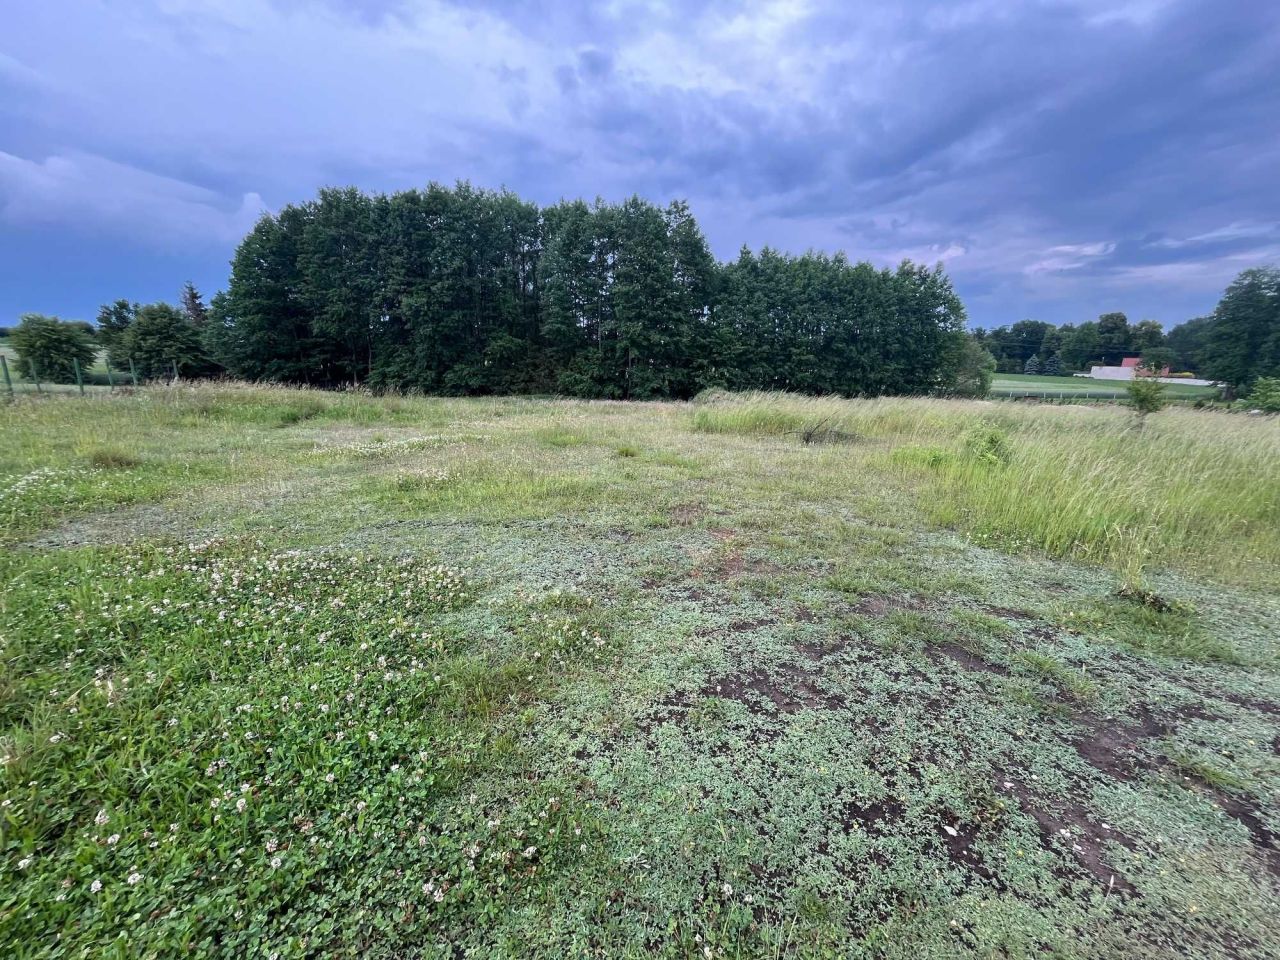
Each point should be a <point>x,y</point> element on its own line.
<point>1036,385</point>
<point>332,675</point>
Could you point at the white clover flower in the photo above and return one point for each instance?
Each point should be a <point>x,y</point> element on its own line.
<point>133,879</point>
<point>95,886</point>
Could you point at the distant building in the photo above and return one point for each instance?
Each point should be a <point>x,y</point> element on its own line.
<point>1129,369</point>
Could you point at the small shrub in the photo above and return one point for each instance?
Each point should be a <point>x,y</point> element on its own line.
<point>627,451</point>
<point>1265,395</point>
<point>306,409</point>
<point>987,442</point>
<point>1146,396</point>
<point>111,459</point>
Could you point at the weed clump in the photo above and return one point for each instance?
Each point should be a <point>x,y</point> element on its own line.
<point>988,443</point>
<point>113,459</point>
<point>1138,594</point>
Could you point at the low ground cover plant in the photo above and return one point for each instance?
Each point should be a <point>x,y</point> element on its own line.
<point>412,677</point>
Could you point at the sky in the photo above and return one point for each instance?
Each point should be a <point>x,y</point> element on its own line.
<point>1062,159</point>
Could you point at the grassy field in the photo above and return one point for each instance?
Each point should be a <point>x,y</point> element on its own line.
<point>301,674</point>
<point>1080,388</point>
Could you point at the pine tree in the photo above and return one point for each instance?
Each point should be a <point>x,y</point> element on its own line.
<point>1032,365</point>
<point>193,306</point>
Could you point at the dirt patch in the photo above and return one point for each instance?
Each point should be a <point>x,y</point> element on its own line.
<point>1070,832</point>
<point>1261,706</point>
<point>785,688</point>
<point>970,660</point>
<point>959,837</point>
<point>1112,746</point>
<point>746,626</point>
<point>1265,841</point>
<point>1008,613</point>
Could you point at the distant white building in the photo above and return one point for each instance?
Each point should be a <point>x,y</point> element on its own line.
<point>1128,369</point>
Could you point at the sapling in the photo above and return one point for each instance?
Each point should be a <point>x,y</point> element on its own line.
<point>1146,396</point>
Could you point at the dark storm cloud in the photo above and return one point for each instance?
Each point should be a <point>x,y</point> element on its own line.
<point>1062,157</point>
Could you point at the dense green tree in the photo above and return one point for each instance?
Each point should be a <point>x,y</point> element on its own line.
<point>113,321</point>
<point>1146,335</point>
<point>1155,360</point>
<point>1032,365</point>
<point>161,337</point>
<point>52,347</point>
<point>1081,347</point>
<point>459,290</point>
<point>1115,338</point>
<point>974,368</point>
<point>1242,342</point>
<point>1186,340</point>
<point>1052,366</point>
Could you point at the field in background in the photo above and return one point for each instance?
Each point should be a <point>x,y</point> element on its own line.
<point>1082,388</point>
<point>313,674</point>
<point>95,378</point>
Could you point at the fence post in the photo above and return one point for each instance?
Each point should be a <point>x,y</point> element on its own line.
<point>75,364</point>
<point>133,372</point>
<point>34,375</point>
<point>111,381</point>
<point>175,371</point>
<point>4,365</point>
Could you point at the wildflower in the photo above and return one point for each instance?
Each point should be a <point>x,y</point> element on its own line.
<point>24,863</point>
<point>113,840</point>
<point>95,886</point>
<point>133,879</point>
<point>275,863</point>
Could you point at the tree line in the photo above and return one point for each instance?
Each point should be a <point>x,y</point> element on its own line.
<point>469,291</point>
<point>462,290</point>
<point>1237,344</point>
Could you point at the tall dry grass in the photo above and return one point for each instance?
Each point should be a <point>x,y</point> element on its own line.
<point>1194,490</point>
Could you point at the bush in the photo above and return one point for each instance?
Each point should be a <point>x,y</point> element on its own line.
<point>973,368</point>
<point>1265,395</point>
<point>987,442</point>
<point>1146,396</point>
<point>52,346</point>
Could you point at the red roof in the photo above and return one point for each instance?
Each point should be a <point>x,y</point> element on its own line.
<point>1130,361</point>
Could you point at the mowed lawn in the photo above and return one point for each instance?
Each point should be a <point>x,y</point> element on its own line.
<point>1022,384</point>
<point>295,674</point>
